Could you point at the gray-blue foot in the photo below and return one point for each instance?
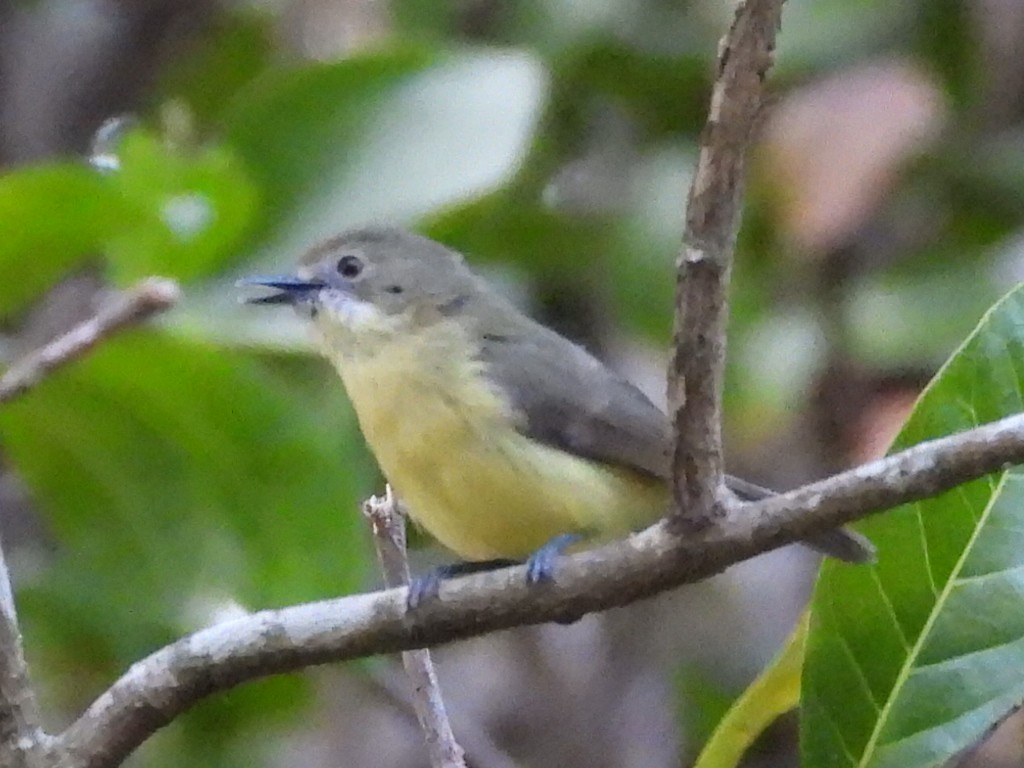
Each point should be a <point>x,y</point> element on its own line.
<point>425,588</point>
<point>540,566</point>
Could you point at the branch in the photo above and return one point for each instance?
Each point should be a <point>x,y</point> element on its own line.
<point>22,740</point>
<point>388,525</point>
<point>712,220</point>
<point>483,751</point>
<point>21,733</point>
<point>132,307</point>
<point>157,689</point>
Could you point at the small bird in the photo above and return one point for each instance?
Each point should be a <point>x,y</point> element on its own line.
<point>505,440</point>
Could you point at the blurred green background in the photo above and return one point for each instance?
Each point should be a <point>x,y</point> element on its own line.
<point>210,464</point>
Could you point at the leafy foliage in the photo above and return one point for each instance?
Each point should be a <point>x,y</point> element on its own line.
<point>187,471</point>
<point>913,659</point>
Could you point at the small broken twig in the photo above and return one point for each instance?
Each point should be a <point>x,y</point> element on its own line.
<point>388,524</point>
<point>145,299</point>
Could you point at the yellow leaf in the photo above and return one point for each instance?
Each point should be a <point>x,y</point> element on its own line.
<point>773,693</point>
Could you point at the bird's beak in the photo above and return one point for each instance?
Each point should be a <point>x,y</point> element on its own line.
<point>290,289</point>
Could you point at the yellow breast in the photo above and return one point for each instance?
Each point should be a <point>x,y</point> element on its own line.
<point>446,440</point>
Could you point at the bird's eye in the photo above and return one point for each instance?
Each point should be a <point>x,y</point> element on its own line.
<point>394,289</point>
<point>350,266</point>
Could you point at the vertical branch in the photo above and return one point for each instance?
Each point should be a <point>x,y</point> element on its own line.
<point>388,525</point>
<point>21,731</point>
<point>704,263</point>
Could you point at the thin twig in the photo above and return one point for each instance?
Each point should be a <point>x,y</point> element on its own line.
<point>483,751</point>
<point>704,263</point>
<point>388,524</point>
<point>148,297</point>
<point>157,689</point>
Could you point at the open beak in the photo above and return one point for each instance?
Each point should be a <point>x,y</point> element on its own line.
<point>290,289</point>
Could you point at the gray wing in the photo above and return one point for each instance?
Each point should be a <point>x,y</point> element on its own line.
<point>570,400</point>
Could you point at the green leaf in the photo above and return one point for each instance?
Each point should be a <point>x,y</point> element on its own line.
<point>667,95</point>
<point>947,40</point>
<point>505,227</point>
<point>180,480</point>
<point>775,692</point>
<point>289,125</point>
<point>164,211</point>
<point>912,659</point>
<point>236,47</point>
<point>383,136</point>
<point>52,216</point>
<point>187,209</point>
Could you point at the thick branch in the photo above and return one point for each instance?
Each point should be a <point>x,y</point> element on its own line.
<point>712,220</point>
<point>171,680</point>
<point>130,308</point>
<point>388,525</point>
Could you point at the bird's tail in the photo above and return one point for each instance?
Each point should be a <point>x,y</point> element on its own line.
<point>841,543</point>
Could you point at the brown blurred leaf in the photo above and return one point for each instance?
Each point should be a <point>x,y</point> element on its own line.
<point>835,146</point>
<point>1001,747</point>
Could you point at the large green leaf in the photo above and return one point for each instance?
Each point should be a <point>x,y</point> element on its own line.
<point>381,136</point>
<point>292,125</point>
<point>179,479</point>
<point>910,660</point>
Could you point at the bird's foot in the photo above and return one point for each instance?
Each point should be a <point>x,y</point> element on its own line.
<point>540,566</point>
<point>425,588</point>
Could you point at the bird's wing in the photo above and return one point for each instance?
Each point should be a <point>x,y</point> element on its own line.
<point>569,400</point>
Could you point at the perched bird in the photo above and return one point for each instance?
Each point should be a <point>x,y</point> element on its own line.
<point>504,439</point>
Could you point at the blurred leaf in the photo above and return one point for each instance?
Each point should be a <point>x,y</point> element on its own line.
<point>888,310</point>
<point>386,136</point>
<point>900,669</point>
<point>503,227</point>
<point>666,95</point>
<point>834,149</point>
<point>187,209</point>
<point>182,482</point>
<point>775,692</point>
<point>162,212</point>
<point>424,19</point>
<point>703,703</point>
<point>239,728</point>
<point>979,183</point>
<point>947,38</point>
<point>290,125</point>
<point>236,48</point>
<point>52,216</point>
<point>828,34</point>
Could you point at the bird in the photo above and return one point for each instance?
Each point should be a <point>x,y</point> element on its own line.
<point>506,441</point>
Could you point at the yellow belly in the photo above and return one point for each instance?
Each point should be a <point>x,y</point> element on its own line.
<point>447,443</point>
<point>505,497</point>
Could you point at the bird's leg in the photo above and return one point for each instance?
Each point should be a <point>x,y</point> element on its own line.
<point>425,588</point>
<point>540,566</point>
